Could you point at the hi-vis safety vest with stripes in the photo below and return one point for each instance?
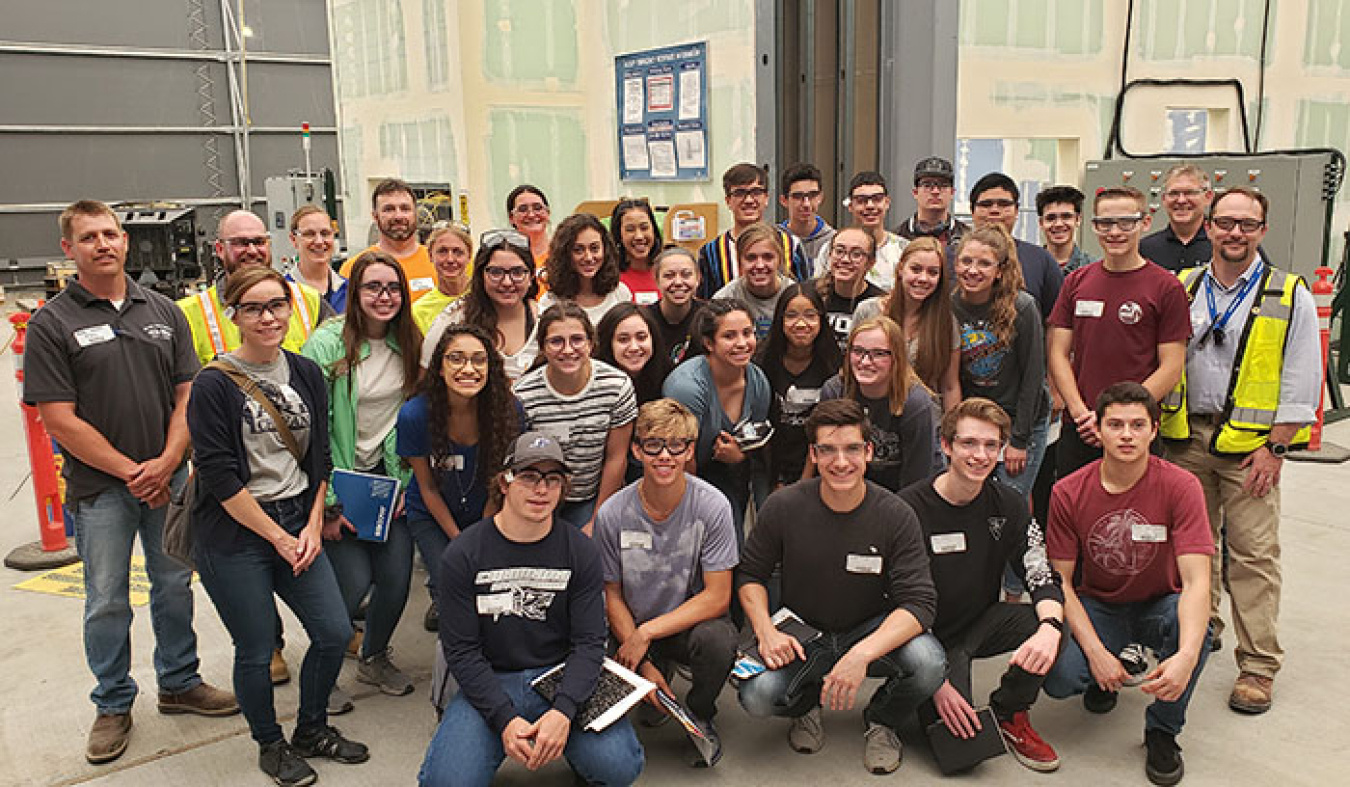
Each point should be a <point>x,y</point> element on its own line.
<point>213,333</point>
<point>1254,387</point>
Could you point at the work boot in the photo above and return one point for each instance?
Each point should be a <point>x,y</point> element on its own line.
<point>280,672</point>
<point>108,737</point>
<point>202,699</point>
<point>1251,693</point>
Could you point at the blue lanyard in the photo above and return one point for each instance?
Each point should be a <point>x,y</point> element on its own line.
<point>1217,324</point>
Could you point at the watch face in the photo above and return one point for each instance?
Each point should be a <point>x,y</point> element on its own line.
<point>1277,449</point>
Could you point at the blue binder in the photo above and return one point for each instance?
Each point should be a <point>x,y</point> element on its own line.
<point>368,502</point>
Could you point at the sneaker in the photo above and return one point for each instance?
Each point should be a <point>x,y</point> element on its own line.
<point>280,672</point>
<point>278,760</point>
<point>807,734</point>
<point>1251,693</point>
<point>709,747</point>
<point>202,699</point>
<point>354,644</point>
<point>108,738</point>
<point>432,620</point>
<point>1164,765</point>
<point>881,749</point>
<point>339,702</point>
<point>327,742</point>
<point>378,670</point>
<point>1097,701</point>
<point>1135,661</point>
<point>1027,745</point>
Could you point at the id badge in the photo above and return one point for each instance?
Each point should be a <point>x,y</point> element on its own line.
<point>1088,308</point>
<point>863,564</point>
<point>948,543</point>
<point>1148,534</point>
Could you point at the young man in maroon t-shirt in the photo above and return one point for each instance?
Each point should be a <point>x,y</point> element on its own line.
<point>1137,527</point>
<point>1122,318</point>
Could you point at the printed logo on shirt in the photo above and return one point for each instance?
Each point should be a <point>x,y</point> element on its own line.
<point>981,353</point>
<point>996,524</point>
<point>796,404</point>
<point>1111,545</point>
<point>523,592</point>
<point>160,331</point>
<point>1130,312</point>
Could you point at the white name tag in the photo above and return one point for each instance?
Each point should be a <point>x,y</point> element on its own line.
<point>947,543</point>
<point>1088,308</point>
<point>646,298</point>
<point>418,285</point>
<point>635,539</point>
<point>457,462</point>
<point>863,564</point>
<point>94,334</point>
<point>494,604</point>
<point>1149,534</point>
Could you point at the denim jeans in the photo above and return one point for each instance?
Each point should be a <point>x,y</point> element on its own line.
<point>1151,623</point>
<point>576,514</point>
<point>913,672</point>
<point>466,752</point>
<point>431,542</point>
<point>385,569</point>
<point>106,527</point>
<point>241,584</point>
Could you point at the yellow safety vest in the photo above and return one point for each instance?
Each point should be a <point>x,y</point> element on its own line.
<point>1254,388</point>
<point>214,334</point>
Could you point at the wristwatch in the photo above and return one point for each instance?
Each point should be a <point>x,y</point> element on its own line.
<point>1278,449</point>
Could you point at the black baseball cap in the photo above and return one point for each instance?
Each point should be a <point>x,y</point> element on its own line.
<point>933,167</point>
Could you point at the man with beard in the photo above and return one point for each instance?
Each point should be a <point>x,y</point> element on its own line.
<point>394,209</point>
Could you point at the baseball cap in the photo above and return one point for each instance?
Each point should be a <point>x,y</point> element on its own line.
<point>933,167</point>
<point>533,448</point>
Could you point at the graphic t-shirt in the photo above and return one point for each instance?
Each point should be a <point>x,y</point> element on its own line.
<point>795,396</point>
<point>273,472</point>
<point>839,310</point>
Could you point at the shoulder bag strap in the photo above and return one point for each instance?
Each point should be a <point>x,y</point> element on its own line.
<point>250,387</point>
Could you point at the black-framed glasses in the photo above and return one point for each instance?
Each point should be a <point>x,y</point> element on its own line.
<point>653,446</point>
<point>517,275</point>
<point>457,359</point>
<point>863,200</point>
<point>933,185</point>
<point>1123,223</point>
<point>553,479</point>
<point>495,239</point>
<point>253,310</point>
<point>1227,223</point>
<point>874,354</point>
<point>803,196</point>
<point>376,289</point>
<point>747,192</point>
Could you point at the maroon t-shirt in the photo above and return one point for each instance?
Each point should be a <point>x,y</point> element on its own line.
<point>1127,544</point>
<point>1118,320</point>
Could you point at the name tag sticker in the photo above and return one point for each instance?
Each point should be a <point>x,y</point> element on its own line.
<point>635,539</point>
<point>94,334</point>
<point>418,285</point>
<point>1088,308</point>
<point>494,603</point>
<point>1149,534</point>
<point>457,462</point>
<point>863,564</point>
<point>947,543</point>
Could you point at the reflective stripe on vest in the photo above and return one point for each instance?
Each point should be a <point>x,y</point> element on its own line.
<point>212,319</point>
<point>298,295</point>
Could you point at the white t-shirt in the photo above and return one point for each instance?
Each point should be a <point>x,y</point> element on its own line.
<point>883,269</point>
<point>379,395</point>
<point>618,295</point>
<point>516,363</point>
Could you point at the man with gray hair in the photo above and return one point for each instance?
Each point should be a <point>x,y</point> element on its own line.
<point>1183,243</point>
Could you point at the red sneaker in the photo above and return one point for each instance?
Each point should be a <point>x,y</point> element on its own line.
<point>1026,745</point>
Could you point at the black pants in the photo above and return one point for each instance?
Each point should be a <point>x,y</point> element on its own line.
<point>1002,628</point>
<point>709,648</point>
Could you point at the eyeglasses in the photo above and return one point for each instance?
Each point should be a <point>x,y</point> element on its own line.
<point>375,289</point>
<point>312,234</point>
<point>995,203</point>
<point>525,210</point>
<point>1227,223</point>
<point>493,239</point>
<point>517,274</point>
<point>856,255</point>
<point>1055,218</point>
<point>803,196</point>
<point>261,241</point>
<point>863,200</point>
<point>850,450</point>
<point>1180,193</point>
<point>876,355</point>
<point>1123,223</point>
<point>810,315</point>
<point>741,194</point>
<point>577,341</point>
<point>972,445</point>
<point>253,310</point>
<point>455,360</point>
<point>653,446</point>
<point>932,185</point>
<point>553,479</point>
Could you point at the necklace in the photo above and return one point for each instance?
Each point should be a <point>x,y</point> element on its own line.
<point>459,465</point>
<point>655,513</point>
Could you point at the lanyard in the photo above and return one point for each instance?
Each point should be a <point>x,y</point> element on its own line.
<point>1217,324</point>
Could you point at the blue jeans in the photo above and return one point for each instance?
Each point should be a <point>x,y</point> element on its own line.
<point>576,514</point>
<point>106,527</point>
<point>431,542</point>
<point>385,569</point>
<point>241,584</point>
<point>466,752</point>
<point>1151,623</point>
<point>913,672</point>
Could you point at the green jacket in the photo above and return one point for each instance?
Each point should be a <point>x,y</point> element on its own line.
<point>326,349</point>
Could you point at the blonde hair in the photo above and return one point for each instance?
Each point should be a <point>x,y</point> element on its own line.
<point>759,232</point>
<point>902,379</point>
<point>665,418</point>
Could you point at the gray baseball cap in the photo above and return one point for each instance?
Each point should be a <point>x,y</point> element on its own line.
<point>933,167</point>
<point>534,448</point>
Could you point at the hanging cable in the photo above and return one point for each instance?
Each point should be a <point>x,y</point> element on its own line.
<point>1261,77</point>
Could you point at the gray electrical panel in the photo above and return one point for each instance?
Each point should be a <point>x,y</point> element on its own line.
<point>1298,185</point>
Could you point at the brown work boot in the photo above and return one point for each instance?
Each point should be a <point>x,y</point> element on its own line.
<point>202,699</point>
<point>280,672</point>
<point>108,738</point>
<point>1251,693</point>
<point>354,644</point>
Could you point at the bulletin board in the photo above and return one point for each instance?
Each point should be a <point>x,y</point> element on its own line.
<point>662,102</point>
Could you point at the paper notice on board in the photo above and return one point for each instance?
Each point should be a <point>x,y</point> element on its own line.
<point>691,88</point>
<point>632,101</point>
<point>660,93</point>
<point>635,152</point>
<point>689,148</point>
<point>663,158</point>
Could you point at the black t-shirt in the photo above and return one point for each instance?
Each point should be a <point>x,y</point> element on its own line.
<point>839,310</point>
<point>904,447</point>
<point>970,545</point>
<point>794,397</point>
<point>674,338</point>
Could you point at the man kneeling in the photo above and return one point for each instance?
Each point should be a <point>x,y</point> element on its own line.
<point>975,526</point>
<point>1136,524</point>
<point>853,568</point>
<point>520,594</point>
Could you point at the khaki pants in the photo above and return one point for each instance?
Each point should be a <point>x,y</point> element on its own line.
<point>1253,539</point>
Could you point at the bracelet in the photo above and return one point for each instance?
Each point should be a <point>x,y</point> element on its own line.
<point>1054,623</point>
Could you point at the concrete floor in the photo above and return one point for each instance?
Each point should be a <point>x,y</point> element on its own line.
<point>45,715</point>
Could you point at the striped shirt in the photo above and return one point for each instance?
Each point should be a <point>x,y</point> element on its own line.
<point>581,422</point>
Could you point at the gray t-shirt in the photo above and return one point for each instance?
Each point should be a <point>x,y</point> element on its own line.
<point>273,472</point>
<point>761,309</point>
<point>661,564</point>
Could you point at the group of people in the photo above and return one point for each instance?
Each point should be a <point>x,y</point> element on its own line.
<point>922,428</point>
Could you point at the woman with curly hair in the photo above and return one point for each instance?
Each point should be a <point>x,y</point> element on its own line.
<point>583,267</point>
<point>637,237</point>
<point>454,434</point>
<point>500,301</point>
